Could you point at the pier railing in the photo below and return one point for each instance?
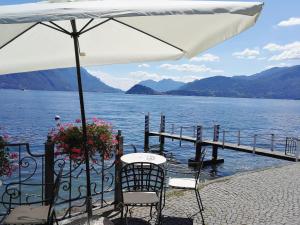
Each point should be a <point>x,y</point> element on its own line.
<point>269,141</point>
<point>225,138</point>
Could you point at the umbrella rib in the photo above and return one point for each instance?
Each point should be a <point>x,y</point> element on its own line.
<point>91,20</point>
<point>20,34</point>
<point>83,31</point>
<point>150,35</point>
<point>57,29</point>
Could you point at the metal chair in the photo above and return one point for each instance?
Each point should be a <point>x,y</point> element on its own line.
<point>27,214</point>
<point>142,185</point>
<point>189,183</point>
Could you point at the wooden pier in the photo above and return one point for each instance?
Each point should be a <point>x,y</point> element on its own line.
<point>291,153</point>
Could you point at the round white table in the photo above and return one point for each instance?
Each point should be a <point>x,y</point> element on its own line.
<point>143,157</point>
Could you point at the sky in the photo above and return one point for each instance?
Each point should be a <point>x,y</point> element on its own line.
<point>273,41</point>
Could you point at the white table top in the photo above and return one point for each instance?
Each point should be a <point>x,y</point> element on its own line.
<point>143,157</point>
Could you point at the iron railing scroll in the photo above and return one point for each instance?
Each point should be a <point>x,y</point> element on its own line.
<point>33,180</point>
<point>26,184</point>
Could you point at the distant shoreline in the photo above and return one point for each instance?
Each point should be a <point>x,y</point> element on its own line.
<point>120,93</point>
<point>211,96</point>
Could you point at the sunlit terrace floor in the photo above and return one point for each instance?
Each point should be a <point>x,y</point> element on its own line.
<point>270,196</point>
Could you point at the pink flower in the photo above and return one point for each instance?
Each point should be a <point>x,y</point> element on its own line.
<point>78,121</point>
<point>115,142</point>
<point>13,155</point>
<point>76,150</point>
<point>90,142</point>
<point>103,137</point>
<point>57,153</point>
<point>6,137</point>
<point>74,156</point>
<point>106,156</point>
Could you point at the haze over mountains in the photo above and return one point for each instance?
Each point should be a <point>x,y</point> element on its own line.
<point>54,80</point>
<point>282,83</point>
<point>162,85</point>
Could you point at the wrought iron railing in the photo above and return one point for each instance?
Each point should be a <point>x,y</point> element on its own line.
<point>33,180</point>
<point>25,186</point>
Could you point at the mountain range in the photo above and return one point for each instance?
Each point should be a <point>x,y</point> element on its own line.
<point>277,82</point>
<point>141,89</point>
<point>162,85</point>
<point>54,80</point>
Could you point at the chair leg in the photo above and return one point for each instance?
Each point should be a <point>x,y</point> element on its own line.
<point>159,214</point>
<point>198,193</point>
<point>122,211</point>
<point>199,205</point>
<point>126,212</point>
<point>151,211</point>
<point>55,218</point>
<point>164,201</point>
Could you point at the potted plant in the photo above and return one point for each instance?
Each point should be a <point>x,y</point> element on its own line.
<point>7,165</point>
<point>68,139</point>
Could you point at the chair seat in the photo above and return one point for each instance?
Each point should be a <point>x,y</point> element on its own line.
<point>28,215</point>
<point>102,221</point>
<point>140,198</point>
<point>185,183</point>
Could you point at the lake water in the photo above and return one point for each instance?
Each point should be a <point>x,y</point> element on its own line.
<point>28,116</point>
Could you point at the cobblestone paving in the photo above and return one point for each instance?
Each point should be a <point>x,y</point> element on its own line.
<point>270,196</point>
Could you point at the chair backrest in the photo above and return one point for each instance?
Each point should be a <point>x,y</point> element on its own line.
<point>56,188</point>
<point>200,165</point>
<point>141,176</point>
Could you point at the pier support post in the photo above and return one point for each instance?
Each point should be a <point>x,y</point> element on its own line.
<point>147,129</point>
<point>162,130</point>
<point>272,142</point>
<point>180,136</point>
<point>49,170</point>
<point>198,144</point>
<point>254,143</point>
<point>215,147</point>
<point>297,153</point>
<point>118,167</point>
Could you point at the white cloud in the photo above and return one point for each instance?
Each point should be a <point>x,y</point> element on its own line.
<point>289,51</point>
<point>247,54</point>
<point>293,21</point>
<point>121,82</point>
<point>206,58</point>
<point>287,55</point>
<point>277,65</point>
<point>126,81</point>
<point>143,75</point>
<point>273,47</point>
<point>190,68</point>
<point>144,65</point>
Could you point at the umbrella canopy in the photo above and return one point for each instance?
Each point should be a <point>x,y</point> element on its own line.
<point>37,36</point>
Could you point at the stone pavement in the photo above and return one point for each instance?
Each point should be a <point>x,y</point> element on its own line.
<point>270,196</point>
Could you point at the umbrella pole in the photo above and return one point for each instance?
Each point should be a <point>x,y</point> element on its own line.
<point>83,121</point>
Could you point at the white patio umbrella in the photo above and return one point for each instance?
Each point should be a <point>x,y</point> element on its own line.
<point>44,35</point>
